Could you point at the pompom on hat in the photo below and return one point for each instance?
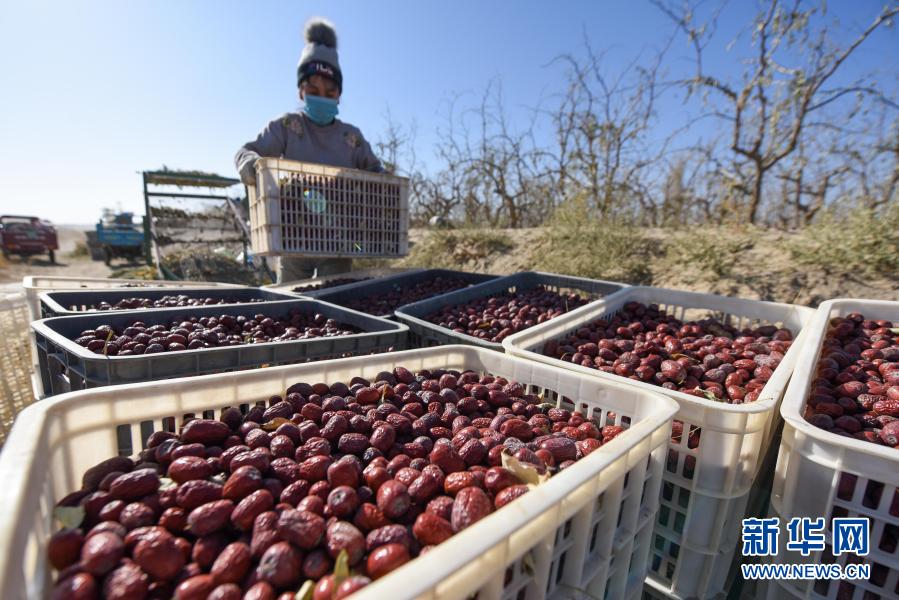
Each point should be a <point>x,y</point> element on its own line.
<point>319,55</point>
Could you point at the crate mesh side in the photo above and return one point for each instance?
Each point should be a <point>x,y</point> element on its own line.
<point>856,497</point>
<point>338,213</point>
<point>15,361</point>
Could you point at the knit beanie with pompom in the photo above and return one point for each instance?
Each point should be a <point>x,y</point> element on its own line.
<point>319,55</point>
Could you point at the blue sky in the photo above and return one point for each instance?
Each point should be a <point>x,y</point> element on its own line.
<point>95,92</point>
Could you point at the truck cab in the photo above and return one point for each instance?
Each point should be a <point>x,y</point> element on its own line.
<point>119,236</point>
<point>27,236</point>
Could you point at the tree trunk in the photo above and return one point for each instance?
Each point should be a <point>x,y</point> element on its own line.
<point>513,212</point>
<point>756,199</point>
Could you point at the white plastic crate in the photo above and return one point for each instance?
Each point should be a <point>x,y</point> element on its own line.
<point>746,592</point>
<point>306,209</point>
<point>705,489</point>
<point>820,474</point>
<point>35,285</point>
<point>15,365</point>
<point>587,528</point>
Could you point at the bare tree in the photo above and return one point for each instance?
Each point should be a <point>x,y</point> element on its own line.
<point>787,82</point>
<point>675,198</point>
<point>489,170</point>
<point>606,121</point>
<point>396,147</point>
<point>395,144</point>
<point>875,165</point>
<point>506,160</point>
<point>799,134</point>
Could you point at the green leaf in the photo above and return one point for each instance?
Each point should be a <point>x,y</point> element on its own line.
<point>305,591</point>
<point>676,356</point>
<point>527,561</point>
<point>274,423</point>
<point>894,330</point>
<point>709,395</point>
<point>524,471</point>
<point>69,516</point>
<point>341,568</point>
<point>106,343</point>
<point>166,484</point>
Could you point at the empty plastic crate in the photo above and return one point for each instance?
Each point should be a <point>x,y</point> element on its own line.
<point>699,521</point>
<point>58,304</point>
<point>308,209</point>
<point>364,290</point>
<point>820,474</point>
<point>66,366</point>
<point>584,533</point>
<point>425,333</point>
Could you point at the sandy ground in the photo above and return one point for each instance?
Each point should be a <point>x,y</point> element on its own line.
<point>766,271</point>
<point>66,265</point>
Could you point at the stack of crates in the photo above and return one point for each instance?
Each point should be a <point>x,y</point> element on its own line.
<point>650,514</point>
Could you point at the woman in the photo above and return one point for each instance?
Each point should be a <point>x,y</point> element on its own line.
<point>313,135</point>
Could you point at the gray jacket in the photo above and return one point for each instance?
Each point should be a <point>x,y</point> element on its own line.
<point>295,137</point>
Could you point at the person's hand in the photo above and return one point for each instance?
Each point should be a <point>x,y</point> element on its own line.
<point>248,172</point>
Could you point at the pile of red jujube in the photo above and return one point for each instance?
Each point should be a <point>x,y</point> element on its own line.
<point>164,302</point>
<point>856,388</point>
<point>255,505</point>
<point>328,284</point>
<point>209,332</point>
<point>705,358</point>
<point>383,304</point>
<point>495,318</point>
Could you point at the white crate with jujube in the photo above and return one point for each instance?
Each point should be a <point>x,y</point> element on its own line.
<point>720,435</point>
<point>583,532</point>
<point>836,460</point>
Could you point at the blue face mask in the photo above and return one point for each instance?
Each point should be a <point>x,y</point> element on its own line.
<point>320,109</point>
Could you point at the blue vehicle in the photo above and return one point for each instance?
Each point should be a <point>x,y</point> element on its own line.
<point>119,237</point>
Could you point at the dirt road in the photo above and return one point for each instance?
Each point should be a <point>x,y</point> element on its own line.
<point>67,264</point>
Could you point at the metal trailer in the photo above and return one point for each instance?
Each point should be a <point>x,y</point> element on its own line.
<point>209,218</point>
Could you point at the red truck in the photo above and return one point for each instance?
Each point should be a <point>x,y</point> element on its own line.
<point>27,236</point>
